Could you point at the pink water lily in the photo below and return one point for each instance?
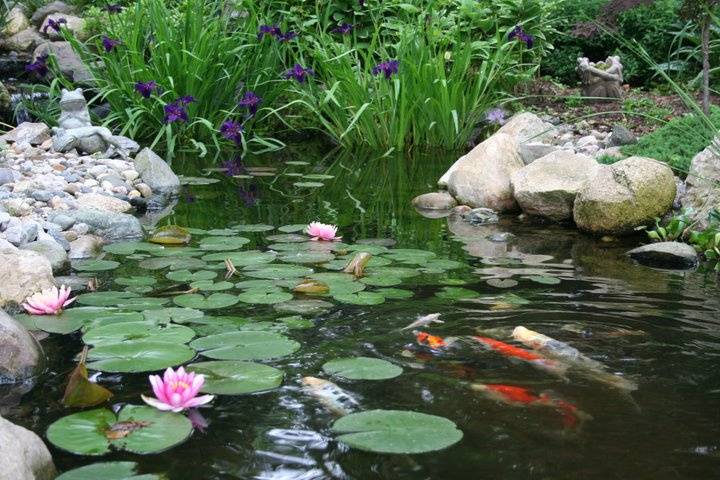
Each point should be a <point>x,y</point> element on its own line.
<point>177,390</point>
<point>50,301</point>
<point>322,231</point>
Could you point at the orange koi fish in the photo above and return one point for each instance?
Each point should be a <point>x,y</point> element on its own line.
<point>511,351</point>
<point>432,341</point>
<point>519,397</point>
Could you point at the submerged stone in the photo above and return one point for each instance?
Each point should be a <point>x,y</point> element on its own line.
<point>673,255</point>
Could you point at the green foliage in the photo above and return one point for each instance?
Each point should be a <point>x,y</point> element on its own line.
<point>678,141</point>
<point>679,228</point>
<point>647,108</point>
<point>607,159</point>
<point>675,229</point>
<point>650,25</point>
<point>707,242</point>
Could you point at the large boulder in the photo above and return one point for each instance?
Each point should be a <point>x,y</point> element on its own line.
<point>49,248</point>
<point>23,455</point>
<point>482,177</point>
<point>23,273</point>
<point>28,132</point>
<point>70,64</point>
<point>21,357</point>
<point>527,127</point>
<point>75,25</point>
<point>625,195</point>
<point>23,41</point>
<point>15,22</point>
<point>111,226</point>
<point>703,184</point>
<point>548,186</point>
<point>53,7</point>
<point>434,201</point>
<point>155,172</point>
<point>673,255</point>
<point>103,202</point>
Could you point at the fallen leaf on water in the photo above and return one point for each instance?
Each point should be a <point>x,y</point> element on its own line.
<point>81,392</point>
<point>311,286</point>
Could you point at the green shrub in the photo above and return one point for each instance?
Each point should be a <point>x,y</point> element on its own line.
<point>678,141</point>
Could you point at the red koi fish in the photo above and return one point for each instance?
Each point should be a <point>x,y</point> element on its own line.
<point>424,338</point>
<point>522,397</point>
<point>510,351</point>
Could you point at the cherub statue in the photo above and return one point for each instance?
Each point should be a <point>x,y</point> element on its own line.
<point>75,130</point>
<point>602,79</point>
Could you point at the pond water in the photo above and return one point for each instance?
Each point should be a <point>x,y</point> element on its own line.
<point>660,330</point>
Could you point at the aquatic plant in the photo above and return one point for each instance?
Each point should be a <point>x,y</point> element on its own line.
<point>50,301</point>
<point>177,390</point>
<point>322,231</point>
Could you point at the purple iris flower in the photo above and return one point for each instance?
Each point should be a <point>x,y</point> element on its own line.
<point>299,73</point>
<point>54,24</point>
<point>250,100</point>
<point>272,30</point>
<point>495,116</point>
<point>114,8</point>
<point>175,112</point>
<point>387,68</point>
<point>109,44</point>
<point>39,66</point>
<point>232,131</point>
<point>146,88</point>
<point>185,100</point>
<point>343,29</point>
<point>519,34</point>
<point>233,167</point>
<point>287,36</point>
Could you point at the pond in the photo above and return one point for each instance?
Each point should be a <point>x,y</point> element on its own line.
<point>657,329</point>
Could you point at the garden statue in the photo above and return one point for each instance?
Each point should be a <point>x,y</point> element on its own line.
<point>601,79</point>
<point>75,130</point>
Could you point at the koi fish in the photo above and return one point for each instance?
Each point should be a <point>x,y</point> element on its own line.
<point>334,398</point>
<point>561,350</point>
<point>432,341</point>
<point>522,397</point>
<point>510,351</point>
<point>424,321</point>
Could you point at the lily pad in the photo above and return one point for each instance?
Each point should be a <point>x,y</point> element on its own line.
<point>174,263</point>
<point>360,298</point>
<point>108,471</point>
<point>402,272</point>
<point>242,259</point>
<point>307,257</point>
<point>95,265</point>
<point>139,281</point>
<point>288,238</point>
<point>362,368</point>
<point>222,232</point>
<point>174,314</point>
<point>237,378</point>
<point>410,255</point>
<point>137,429</point>
<point>74,318</point>
<point>171,235</point>
<point>254,228</point>
<point>457,293</point>
<point>139,356</point>
<point>223,243</point>
<point>381,280</point>
<point>292,228</point>
<point>395,293</point>
<point>137,331</point>
<point>128,248</point>
<point>277,272</point>
<point>214,301</point>
<point>543,279</point>
<point>296,322</point>
<point>396,431</point>
<point>245,345</point>
<point>121,300</point>
<point>264,297</point>
<point>188,276</point>
<point>210,286</point>
<point>304,307</point>
<point>502,282</point>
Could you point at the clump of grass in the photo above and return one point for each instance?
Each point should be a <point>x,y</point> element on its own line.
<point>678,141</point>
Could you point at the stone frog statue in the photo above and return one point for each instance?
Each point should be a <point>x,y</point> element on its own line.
<point>75,130</point>
<point>602,79</point>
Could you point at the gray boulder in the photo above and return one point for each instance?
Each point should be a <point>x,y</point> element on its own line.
<point>86,246</point>
<point>434,201</point>
<point>547,187</point>
<point>155,172</point>
<point>20,354</point>
<point>703,184</point>
<point>625,195</point>
<point>531,151</point>
<point>482,177</point>
<point>23,41</point>
<point>621,136</point>
<point>23,455</point>
<point>673,255</point>
<point>15,22</point>
<point>46,246</point>
<point>53,7</point>
<point>526,127</point>
<point>23,273</point>
<point>111,226</point>
<point>70,64</point>
<point>481,216</point>
<point>27,132</point>
<point>74,24</point>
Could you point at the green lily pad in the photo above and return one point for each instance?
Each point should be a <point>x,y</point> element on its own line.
<point>264,297</point>
<point>237,378</point>
<point>371,249</point>
<point>137,331</point>
<point>362,368</point>
<point>254,228</point>
<point>245,345</point>
<point>306,257</point>
<point>304,307</point>
<point>288,238</point>
<point>171,235</point>
<point>95,265</point>
<point>128,248</point>
<point>174,263</point>
<point>214,301</point>
<point>296,322</point>
<point>173,314</point>
<point>178,252</point>
<point>277,272</point>
<point>444,264</point>
<point>381,280</point>
<point>223,243</point>
<point>396,431</point>
<point>502,282</point>
<point>121,300</point>
<point>395,293</point>
<point>360,298</point>
<point>290,247</point>
<point>258,284</point>
<point>108,471</point>
<point>543,279</point>
<point>402,272</point>
<point>75,318</point>
<point>410,255</point>
<point>456,293</point>
<point>139,281</point>
<point>242,259</point>
<point>293,228</point>
<point>137,429</point>
<point>188,276</point>
<point>138,356</point>
<point>210,286</point>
